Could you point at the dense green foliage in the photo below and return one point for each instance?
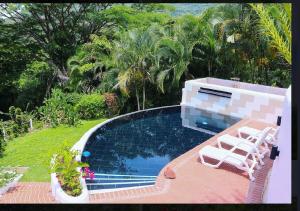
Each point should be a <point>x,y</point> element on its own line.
<point>279,28</point>
<point>65,165</point>
<point>55,57</point>
<point>34,150</point>
<point>58,110</point>
<point>16,126</point>
<point>91,106</point>
<point>140,52</point>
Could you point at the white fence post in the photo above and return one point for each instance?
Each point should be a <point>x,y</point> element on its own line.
<point>4,134</point>
<point>30,124</point>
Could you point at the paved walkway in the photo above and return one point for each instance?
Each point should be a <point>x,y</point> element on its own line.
<point>28,192</point>
<point>194,183</point>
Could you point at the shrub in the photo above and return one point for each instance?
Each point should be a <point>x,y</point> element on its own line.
<point>58,110</point>
<point>73,98</point>
<point>2,144</point>
<point>65,166</point>
<point>17,125</point>
<point>91,106</point>
<point>20,118</point>
<point>6,176</point>
<point>32,84</point>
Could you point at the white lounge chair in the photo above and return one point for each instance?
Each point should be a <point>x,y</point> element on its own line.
<point>246,145</point>
<point>228,156</point>
<point>249,131</point>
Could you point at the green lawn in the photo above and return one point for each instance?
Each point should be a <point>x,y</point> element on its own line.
<point>34,150</point>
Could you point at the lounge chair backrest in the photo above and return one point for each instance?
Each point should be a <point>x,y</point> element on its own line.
<point>262,136</point>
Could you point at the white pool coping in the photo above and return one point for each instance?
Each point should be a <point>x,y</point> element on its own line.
<point>79,146</point>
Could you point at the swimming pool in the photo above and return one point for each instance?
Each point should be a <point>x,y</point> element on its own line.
<point>131,150</point>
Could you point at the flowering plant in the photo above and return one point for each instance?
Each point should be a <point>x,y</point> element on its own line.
<point>65,165</point>
<point>87,173</point>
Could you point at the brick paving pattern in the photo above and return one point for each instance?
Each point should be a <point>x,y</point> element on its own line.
<point>256,188</point>
<point>28,192</point>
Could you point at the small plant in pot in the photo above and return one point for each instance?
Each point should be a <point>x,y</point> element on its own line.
<point>65,165</point>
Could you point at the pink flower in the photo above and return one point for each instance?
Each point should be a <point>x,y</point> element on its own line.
<point>92,175</point>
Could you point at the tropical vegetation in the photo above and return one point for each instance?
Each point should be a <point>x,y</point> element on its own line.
<point>63,64</point>
<point>65,166</point>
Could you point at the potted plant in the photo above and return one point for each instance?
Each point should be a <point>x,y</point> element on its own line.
<point>67,183</point>
<point>8,179</point>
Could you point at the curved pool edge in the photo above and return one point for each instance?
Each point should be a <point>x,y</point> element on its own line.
<point>161,184</point>
<point>79,145</point>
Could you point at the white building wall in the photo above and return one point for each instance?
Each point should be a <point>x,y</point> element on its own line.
<point>278,188</point>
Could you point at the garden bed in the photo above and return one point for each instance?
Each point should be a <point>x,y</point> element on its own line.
<point>8,179</point>
<point>59,194</point>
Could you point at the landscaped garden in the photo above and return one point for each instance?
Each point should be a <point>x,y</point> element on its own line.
<point>34,150</point>
<point>67,67</point>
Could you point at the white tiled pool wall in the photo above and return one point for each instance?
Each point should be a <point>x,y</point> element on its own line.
<point>190,116</point>
<point>264,104</point>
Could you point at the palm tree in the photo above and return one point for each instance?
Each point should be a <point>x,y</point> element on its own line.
<point>275,20</point>
<point>89,63</point>
<point>134,57</point>
<point>174,51</point>
<point>207,50</point>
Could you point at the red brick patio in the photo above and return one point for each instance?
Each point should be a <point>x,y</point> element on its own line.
<point>29,192</point>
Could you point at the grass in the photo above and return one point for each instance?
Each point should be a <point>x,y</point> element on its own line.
<point>34,150</point>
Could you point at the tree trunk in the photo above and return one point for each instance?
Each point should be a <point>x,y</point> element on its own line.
<point>252,71</point>
<point>144,94</point>
<point>209,68</point>
<point>137,98</point>
<point>267,76</point>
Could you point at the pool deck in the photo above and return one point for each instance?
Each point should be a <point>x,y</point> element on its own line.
<point>194,183</point>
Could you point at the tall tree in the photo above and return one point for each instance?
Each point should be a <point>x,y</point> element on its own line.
<point>57,28</point>
<point>174,51</point>
<point>134,56</point>
<point>89,63</point>
<point>15,53</point>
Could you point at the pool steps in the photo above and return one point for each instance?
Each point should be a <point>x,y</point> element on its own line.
<point>108,181</point>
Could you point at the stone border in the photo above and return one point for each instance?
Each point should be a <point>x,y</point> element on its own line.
<point>11,184</point>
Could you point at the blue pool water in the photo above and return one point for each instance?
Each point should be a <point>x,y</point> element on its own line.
<point>131,150</point>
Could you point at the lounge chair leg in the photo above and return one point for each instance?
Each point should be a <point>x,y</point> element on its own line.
<point>256,165</point>
<point>260,160</point>
<point>219,145</point>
